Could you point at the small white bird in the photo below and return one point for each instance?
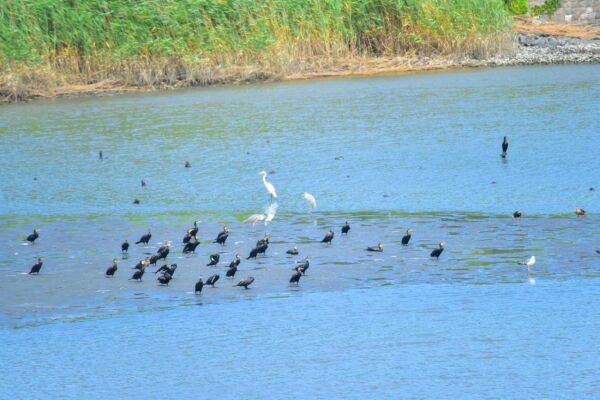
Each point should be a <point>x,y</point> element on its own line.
<point>528,262</point>
<point>310,198</point>
<point>268,185</point>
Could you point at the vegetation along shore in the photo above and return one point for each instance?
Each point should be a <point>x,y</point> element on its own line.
<point>53,47</point>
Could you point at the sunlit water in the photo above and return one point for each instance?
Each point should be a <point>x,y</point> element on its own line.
<point>420,151</point>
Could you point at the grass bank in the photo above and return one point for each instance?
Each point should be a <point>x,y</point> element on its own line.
<point>49,46</point>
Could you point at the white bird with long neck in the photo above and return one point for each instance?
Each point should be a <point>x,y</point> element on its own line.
<point>268,185</point>
<point>312,202</point>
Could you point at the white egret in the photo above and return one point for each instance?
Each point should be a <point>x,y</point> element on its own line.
<point>268,185</point>
<point>310,198</point>
<point>267,216</point>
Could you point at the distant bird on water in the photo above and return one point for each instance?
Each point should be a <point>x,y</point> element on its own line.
<point>199,286</point>
<point>187,164</point>
<point>214,260</point>
<point>235,262</point>
<point>303,266</point>
<point>125,246</point>
<point>406,238</point>
<point>245,282</point>
<point>164,250</point>
<point>598,251</point>
<point>293,251</point>
<point>167,270</point>
<point>137,275</point>
<point>222,236</point>
<point>345,228</point>
<point>33,236</point>
<point>517,214</point>
<point>437,252</point>
<point>100,155</point>
<point>112,269</point>
<point>194,230</point>
<point>580,212</point>
<point>378,248</point>
<point>164,279</point>
<point>187,236</point>
<point>296,278</point>
<point>529,263</point>
<point>143,183</point>
<point>136,201</point>
<point>312,202</point>
<point>145,238</point>
<point>328,237</point>
<point>268,185</point>
<point>190,247</point>
<point>35,269</point>
<point>504,147</point>
<point>212,280</point>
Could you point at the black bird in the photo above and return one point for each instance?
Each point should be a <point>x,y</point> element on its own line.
<point>246,282</point>
<point>145,238</point>
<point>188,236</point>
<point>100,155</point>
<point>212,280</point>
<point>142,263</point>
<point>303,265</point>
<point>345,228</point>
<point>504,147</point>
<point>517,214</point>
<point>263,241</point>
<point>125,246</point>
<point>187,164</point>
<point>194,230</point>
<point>437,252</point>
<point>154,259</point>
<point>406,238</point>
<point>231,271</point>
<point>112,269</point>
<point>253,253</point>
<point>164,279</point>
<point>167,270</point>
<point>328,237</point>
<point>222,236</point>
<point>262,249</point>
<point>293,251</point>
<point>136,201</point>
<point>31,238</point>
<point>598,251</point>
<point>199,286</point>
<point>378,248</point>
<point>35,269</point>
<point>214,260</point>
<point>236,261</point>
<point>137,275</point>
<point>164,250</point>
<point>143,183</point>
<point>190,247</point>
<point>296,278</point>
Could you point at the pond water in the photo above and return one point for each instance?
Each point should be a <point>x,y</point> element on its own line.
<point>420,151</point>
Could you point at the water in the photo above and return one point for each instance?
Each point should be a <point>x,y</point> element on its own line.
<point>420,151</point>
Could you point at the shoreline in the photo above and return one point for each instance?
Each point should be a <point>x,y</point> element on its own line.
<point>542,44</point>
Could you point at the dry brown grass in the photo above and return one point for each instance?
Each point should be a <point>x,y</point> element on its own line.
<point>525,25</point>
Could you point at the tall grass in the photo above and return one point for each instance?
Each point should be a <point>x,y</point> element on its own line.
<point>168,42</point>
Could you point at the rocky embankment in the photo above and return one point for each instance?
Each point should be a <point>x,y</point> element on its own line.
<point>548,49</point>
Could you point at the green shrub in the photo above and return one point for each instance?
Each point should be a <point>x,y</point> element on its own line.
<point>516,7</point>
<point>549,8</point>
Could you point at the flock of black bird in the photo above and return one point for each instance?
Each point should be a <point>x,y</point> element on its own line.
<point>191,242</point>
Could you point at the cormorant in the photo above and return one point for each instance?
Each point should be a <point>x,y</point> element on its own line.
<point>112,269</point>
<point>35,269</point>
<point>579,212</point>
<point>236,261</point>
<point>31,238</point>
<point>437,252</point>
<point>143,183</point>
<point>199,285</point>
<point>339,158</point>
<point>406,238</point>
<point>164,279</point>
<point>164,250</point>
<point>222,236</point>
<point>212,280</point>
<point>136,201</point>
<point>214,260</point>
<point>190,247</point>
<point>253,253</point>
<point>262,249</point>
<point>125,246</point>
<point>293,251</point>
<point>378,248</point>
<point>345,228</point>
<point>187,164</point>
<point>188,236</point>
<point>246,282</point>
<point>194,230</point>
<point>142,263</point>
<point>231,271</point>
<point>598,251</point>
<point>328,237</point>
<point>504,147</point>
<point>303,265</point>
<point>167,270</point>
<point>145,238</point>
<point>100,155</point>
<point>296,278</point>
<point>517,214</point>
<point>137,275</point>
<point>264,240</point>
<point>154,258</point>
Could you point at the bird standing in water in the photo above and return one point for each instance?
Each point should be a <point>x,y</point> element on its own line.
<point>406,238</point>
<point>345,228</point>
<point>437,252</point>
<point>580,212</point>
<point>504,147</point>
<point>35,269</point>
<point>112,269</point>
<point>245,282</point>
<point>125,246</point>
<point>328,237</point>
<point>33,236</point>
<point>268,185</point>
<point>296,278</point>
<point>293,251</point>
<point>145,238</point>
<point>199,286</point>
<point>517,214</point>
<point>378,248</point>
<point>222,236</point>
<point>214,260</point>
<point>164,279</point>
<point>187,236</point>
<point>194,230</point>
<point>529,263</point>
<point>100,155</point>
<point>137,275</point>
<point>190,247</point>
<point>212,280</point>
<point>302,266</point>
